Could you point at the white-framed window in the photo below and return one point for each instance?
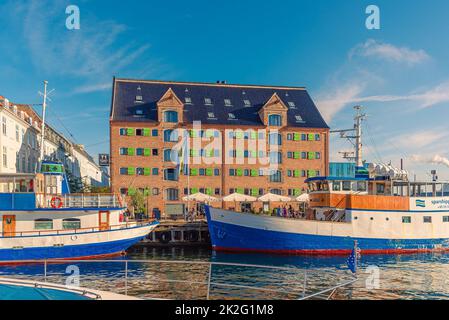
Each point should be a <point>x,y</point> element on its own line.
<point>17,133</point>
<point>5,157</point>
<point>4,126</point>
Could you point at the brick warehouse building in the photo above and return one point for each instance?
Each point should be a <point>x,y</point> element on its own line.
<point>145,113</point>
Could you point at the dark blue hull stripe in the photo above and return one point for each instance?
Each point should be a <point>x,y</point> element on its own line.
<point>67,252</point>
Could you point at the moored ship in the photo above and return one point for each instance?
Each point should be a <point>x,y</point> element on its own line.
<point>41,219</point>
<point>379,208</point>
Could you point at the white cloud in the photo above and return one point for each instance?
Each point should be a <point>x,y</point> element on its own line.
<point>332,102</point>
<point>94,88</point>
<point>436,159</point>
<point>421,138</point>
<point>386,51</point>
<point>92,54</point>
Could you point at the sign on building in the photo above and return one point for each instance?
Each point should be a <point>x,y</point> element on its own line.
<point>103,160</point>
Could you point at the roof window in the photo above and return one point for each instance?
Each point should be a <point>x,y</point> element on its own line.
<point>208,101</point>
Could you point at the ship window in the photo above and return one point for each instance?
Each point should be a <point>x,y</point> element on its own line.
<point>346,185</point>
<point>336,185</point>
<point>427,219</point>
<point>71,223</point>
<point>445,218</point>
<point>380,188</point>
<point>407,219</point>
<point>43,224</point>
<point>361,186</point>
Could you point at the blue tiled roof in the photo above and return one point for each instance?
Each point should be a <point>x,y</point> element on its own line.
<point>125,107</point>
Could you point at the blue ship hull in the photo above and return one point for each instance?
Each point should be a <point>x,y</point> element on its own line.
<point>68,252</point>
<point>233,237</point>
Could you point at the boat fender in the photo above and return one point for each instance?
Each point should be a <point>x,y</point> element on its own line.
<point>165,237</point>
<point>56,203</point>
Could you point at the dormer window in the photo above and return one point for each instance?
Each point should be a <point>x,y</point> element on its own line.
<point>247,103</point>
<point>275,120</point>
<point>231,116</point>
<point>171,116</point>
<point>208,101</point>
<point>299,118</point>
<point>228,102</point>
<point>211,115</point>
<point>139,99</point>
<point>291,104</point>
<point>139,112</point>
<point>188,100</point>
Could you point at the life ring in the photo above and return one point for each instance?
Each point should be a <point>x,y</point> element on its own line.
<point>57,205</point>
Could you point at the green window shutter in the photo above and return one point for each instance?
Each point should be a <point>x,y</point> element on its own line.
<point>254,192</point>
<point>311,137</point>
<point>297,155</point>
<point>194,190</point>
<point>131,171</point>
<point>209,191</point>
<point>239,172</point>
<point>146,192</point>
<point>253,135</point>
<point>147,152</point>
<point>239,135</point>
<point>253,154</point>
<point>130,132</point>
<point>254,173</point>
<point>297,192</point>
<point>209,133</point>
<point>147,171</point>
<point>209,172</point>
<point>296,173</point>
<point>193,134</point>
<point>146,132</point>
<point>194,172</point>
<point>239,154</point>
<point>131,192</point>
<point>311,155</point>
<point>311,173</point>
<point>297,137</point>
<point>131,151</point>
<point>240,190</point>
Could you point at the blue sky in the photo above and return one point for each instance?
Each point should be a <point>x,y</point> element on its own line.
<point>400,72</point>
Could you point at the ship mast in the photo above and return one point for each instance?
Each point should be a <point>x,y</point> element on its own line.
<point>355,139</point>
<point>44,107</point>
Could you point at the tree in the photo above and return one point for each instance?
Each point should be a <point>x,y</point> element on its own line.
<point>138,202</point>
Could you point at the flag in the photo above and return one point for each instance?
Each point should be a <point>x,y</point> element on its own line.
<point>183,162</point>
<point>352,261</point>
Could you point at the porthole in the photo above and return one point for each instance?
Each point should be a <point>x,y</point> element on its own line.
<point>388,219</point>
<point>371,218</point>
<point>355,218</point>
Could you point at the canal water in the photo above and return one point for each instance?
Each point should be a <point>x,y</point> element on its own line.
<point>423,276</point>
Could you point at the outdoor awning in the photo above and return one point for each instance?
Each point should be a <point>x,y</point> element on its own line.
<point>271,197</point>
<point>303,198</point>
<point>237,197</point>
<point>200,197</point>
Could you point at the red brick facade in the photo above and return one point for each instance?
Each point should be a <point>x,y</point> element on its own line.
<point>296,143</point>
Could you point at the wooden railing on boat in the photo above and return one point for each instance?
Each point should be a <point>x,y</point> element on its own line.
<point>354,201</point>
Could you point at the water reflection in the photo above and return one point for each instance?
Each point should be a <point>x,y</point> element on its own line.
<point>400,277</point>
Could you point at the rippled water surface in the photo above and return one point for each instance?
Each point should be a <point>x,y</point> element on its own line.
<point>400,277</point>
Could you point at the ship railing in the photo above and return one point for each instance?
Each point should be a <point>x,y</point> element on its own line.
<point>61,232</point>
<point>88,200</point>
<point>301,284</point>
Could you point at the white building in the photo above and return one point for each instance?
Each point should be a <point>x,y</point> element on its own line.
<point>20,146</point>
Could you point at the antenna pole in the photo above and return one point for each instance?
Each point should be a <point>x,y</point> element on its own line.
<point>358,136</point>
<point>44,108</point>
